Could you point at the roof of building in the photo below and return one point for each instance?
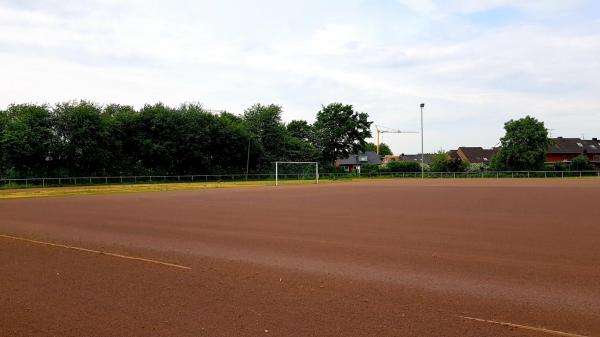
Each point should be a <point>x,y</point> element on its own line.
<point>477,155</point>
<point>562,145</point>
<point>369,157</point>
<point>427,157</point>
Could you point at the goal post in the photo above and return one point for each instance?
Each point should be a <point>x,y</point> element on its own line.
<point>279,163</point>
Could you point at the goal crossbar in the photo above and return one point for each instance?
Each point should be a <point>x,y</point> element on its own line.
<point>295,162</point>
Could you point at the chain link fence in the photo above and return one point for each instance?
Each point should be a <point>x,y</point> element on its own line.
<point>146,179</point>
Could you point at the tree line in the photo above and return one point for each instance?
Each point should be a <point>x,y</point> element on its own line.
<point>82,138</point>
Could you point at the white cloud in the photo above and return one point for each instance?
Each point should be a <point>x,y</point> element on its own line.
<point>383,58</point>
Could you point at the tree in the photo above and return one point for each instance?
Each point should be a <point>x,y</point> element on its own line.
<point>457,165</point>
<point>160,130</point>
<point>440,162</point>
<point>264,123</point>
<point>300,141</point>
<point>3,122</point>
<point>384,149</point>
<point>84,138</point>
<point>523,147</point>
<point>230,137</point>
<point>27,141</point>
<point>301,130</point>
<point>580,163</point>
<point>340,131</point>
<point>125,139</point>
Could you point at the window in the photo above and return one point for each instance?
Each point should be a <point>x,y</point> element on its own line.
<point>363,159</point>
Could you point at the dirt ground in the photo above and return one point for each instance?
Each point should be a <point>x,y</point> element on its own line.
<point>377,258</point>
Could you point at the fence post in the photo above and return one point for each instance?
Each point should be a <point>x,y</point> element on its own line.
<point>26,183</point>
<point>43,182</point>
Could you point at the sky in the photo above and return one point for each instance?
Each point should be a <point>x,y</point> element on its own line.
<point>475,63</point>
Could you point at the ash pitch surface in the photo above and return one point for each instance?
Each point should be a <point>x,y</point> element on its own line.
<point>379,258</point>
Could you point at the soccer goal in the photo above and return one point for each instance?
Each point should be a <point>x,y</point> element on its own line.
<point>300,170</point>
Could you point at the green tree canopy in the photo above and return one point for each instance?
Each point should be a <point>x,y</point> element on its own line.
<point>27,140</point>
<point>581,163</point>
<point>341,131</point>
<point>440,162</point>
<point>523,147</point>
<point>264,123</point>
<point>301,130</point>
<point>384,149</point>
<point>85,138</point>
<point>81,138</point>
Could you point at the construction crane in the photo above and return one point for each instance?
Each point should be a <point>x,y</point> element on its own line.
<point>382,129</point>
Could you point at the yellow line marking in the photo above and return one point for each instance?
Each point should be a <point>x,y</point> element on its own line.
<point>526,327</point>
<point>94,251</point>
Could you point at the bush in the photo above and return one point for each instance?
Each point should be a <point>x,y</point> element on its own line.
<point>475,167</point>
<point>328,168</point>
<point>580,163</point>
<point>556,167</point>
<point>440,162</point>
<point>403,166</point>
<point>458,165</point>
<point>369,168</point>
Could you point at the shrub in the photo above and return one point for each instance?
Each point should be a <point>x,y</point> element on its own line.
<point>369,168</point>
<point>556,167</point>
<point>403,166</point>
<point>580,163</point>
<point>475,167</point>
<point>328,168</point>
<point>440,162</point>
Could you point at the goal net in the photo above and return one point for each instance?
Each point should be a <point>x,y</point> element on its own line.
<point>296,170</point>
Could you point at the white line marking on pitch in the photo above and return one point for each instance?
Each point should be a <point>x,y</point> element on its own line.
<point>95,251</point>
<point>526,327</point>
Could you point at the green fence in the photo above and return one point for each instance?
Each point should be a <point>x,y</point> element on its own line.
<point>79,181</point>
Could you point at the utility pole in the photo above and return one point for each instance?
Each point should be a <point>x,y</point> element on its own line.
<point>422,153</point>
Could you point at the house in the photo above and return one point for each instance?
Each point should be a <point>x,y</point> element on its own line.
<point>427,158</point>
<point>353,162</point>
<point>566,149</point>
<point>475,155</point>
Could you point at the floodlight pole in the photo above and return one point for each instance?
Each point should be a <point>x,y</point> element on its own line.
<point>422,153</point>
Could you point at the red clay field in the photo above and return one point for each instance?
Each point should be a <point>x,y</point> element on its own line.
<point>378,258</point>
